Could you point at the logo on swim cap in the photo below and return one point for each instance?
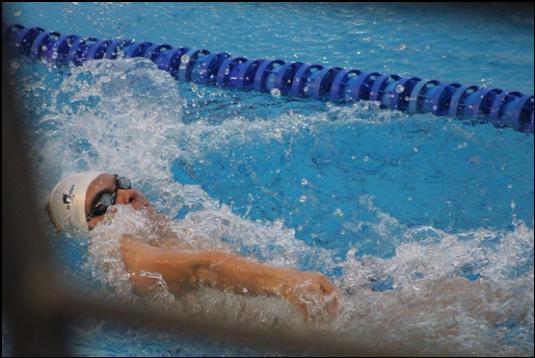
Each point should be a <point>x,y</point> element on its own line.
<point>66,202</point>
<point>67,198</point>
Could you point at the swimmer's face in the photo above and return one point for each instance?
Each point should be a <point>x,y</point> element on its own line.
<point>108,183</point>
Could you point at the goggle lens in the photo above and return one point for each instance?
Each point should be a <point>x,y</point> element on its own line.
<point>104,201</point>
<point>101,205</point>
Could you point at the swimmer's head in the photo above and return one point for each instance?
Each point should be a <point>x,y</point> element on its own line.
<point>78,202</point>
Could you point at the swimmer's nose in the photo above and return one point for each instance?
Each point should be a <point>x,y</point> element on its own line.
<point>132,197</point>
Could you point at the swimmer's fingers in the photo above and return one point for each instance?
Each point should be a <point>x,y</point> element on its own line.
<point>330,295</point>
<point>316,297</point>
<point>327,286</point>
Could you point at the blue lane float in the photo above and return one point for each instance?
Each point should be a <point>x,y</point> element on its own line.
<point>335,84</point>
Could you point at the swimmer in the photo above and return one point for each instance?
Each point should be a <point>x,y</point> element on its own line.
<point>81,201</point>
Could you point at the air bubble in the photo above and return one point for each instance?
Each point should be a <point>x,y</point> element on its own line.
<point>400,88</point>
<point>275,92</point>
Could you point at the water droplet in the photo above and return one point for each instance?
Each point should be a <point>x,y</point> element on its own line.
<point>509,186</point>
<point>338,213</point>
<point>304,181</point>
<point>513,205</point>
<point>400,88</point>
<point>416,149</point>
<point>303,198</point>
<point>277,133</point>
<point>366,158</point>
<point>275,92</point>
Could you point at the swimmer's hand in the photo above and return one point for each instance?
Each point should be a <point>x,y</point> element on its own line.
<point>313,294</point>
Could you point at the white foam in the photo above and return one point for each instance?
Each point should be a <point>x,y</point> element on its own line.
<point>432,303</point>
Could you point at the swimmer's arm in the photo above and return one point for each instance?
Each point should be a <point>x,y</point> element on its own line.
<point>244,276</point>
<point>183,270</point>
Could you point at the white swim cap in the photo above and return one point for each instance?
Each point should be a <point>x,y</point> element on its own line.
<point>66,202</point>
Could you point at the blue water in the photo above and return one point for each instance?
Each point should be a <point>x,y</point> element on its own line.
<point>349,182</point>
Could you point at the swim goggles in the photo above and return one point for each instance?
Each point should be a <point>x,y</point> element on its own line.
<point>103,201</point>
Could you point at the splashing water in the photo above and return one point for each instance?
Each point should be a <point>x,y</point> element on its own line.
<point>467,292</point>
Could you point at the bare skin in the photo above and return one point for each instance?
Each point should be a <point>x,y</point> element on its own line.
<point>184,269</point>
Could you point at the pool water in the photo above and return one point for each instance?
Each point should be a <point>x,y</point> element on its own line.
<point>395,209</point>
